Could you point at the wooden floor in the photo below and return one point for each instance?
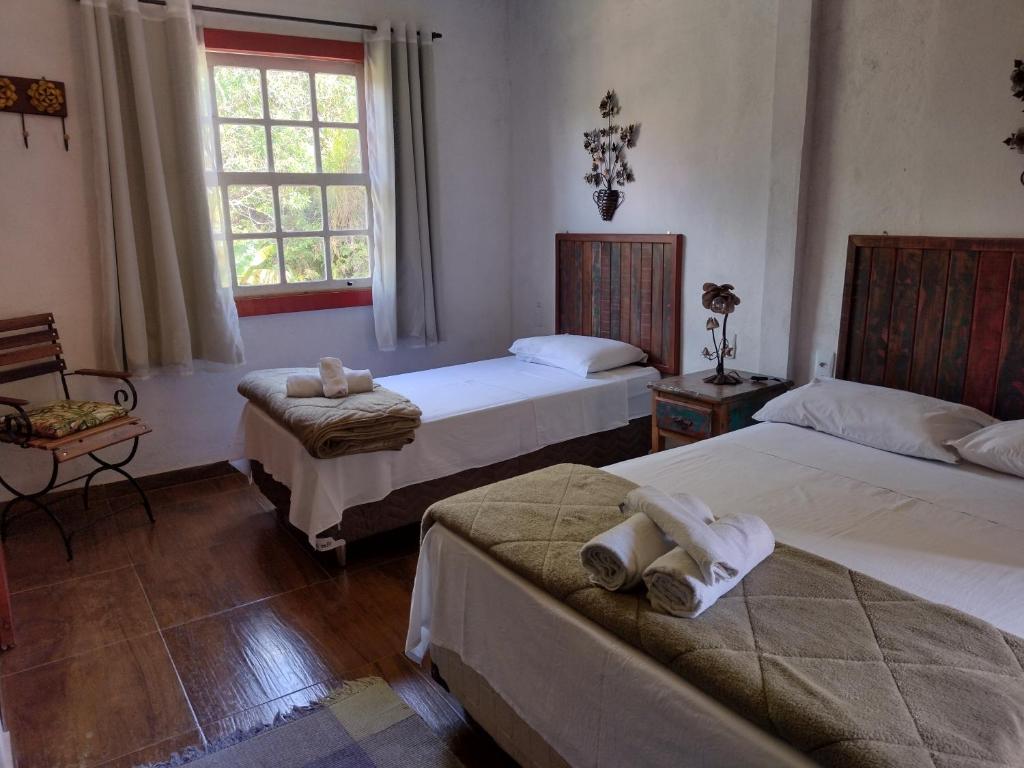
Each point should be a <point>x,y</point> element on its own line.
<point>216,618</point>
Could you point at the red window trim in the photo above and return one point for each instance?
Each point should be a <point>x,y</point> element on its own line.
<point>279,303</point>
<point>233,41</point>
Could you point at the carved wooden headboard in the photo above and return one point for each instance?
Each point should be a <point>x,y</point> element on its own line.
<point>939,316</point>
<point>624,287</point>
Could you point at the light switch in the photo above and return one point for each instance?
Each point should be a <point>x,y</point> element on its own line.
<point>824,364</point>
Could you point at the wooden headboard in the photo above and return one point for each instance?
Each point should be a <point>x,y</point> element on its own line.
<point>939,316</point>
<point>624,287</point>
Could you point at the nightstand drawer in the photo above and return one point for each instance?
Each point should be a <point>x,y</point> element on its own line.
<point>685,419</point>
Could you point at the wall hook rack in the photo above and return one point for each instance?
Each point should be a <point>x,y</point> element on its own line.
<point>37,97</point>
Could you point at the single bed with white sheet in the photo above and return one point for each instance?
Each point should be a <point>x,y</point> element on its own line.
<point>496,418</point>
<point>474,415</point>
<point>555,688</point>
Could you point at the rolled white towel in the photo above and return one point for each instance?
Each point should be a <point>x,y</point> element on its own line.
<point>685,519</point>
<point>358,381</point>
<point>616,559</point>
<point>304,385</point>
<point>675,583</point>
<point>332,374</point>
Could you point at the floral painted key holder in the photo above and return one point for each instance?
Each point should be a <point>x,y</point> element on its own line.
<point>34,96</point>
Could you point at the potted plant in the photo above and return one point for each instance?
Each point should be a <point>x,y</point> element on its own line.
<point>607,149</point>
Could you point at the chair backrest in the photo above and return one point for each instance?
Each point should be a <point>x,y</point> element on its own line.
<point>30,347</point>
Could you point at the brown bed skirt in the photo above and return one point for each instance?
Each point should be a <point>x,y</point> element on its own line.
<point>407,505</point>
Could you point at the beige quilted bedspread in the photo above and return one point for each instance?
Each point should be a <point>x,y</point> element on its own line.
<point>380,420</point>
<point>844,668</point>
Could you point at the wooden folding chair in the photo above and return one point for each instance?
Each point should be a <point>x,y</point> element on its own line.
<point>29,347</point>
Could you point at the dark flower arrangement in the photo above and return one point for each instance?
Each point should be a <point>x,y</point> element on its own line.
<point>607,149</point>
<point>1015,141</point>
<point>721,300</point>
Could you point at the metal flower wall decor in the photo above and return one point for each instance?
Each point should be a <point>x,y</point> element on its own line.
<point>721,300</point>
<point>607,149</point>
<point>1015,141</point>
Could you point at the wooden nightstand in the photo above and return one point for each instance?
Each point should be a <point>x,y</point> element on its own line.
<point>685,409</point>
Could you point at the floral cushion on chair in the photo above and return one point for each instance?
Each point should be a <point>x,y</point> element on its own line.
<point>64,417</point>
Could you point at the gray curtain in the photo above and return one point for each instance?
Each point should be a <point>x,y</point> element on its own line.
<point>165,303</point>
<point>400,121</point>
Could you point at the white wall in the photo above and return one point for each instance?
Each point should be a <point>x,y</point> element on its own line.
<point>701,78</point>
<point>909,105</point>
<point>48,247</point>
<point>913,100</point>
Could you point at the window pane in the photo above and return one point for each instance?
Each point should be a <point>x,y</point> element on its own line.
<point>304,259</point>
<point>239,93</point>
<point>243,147</point>
<point>346,207</point>
<point>336,98</point>
<point>256,262</point>
<point>293,149</point>
<point>288,95</point>
<point>339,150</point>
<point>251,208</point>
<point>350,257</point>
<point>301,210</point>
<point>213,201</point>
<point>220,250</point>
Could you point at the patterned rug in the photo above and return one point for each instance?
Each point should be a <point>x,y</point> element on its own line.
<point>361,725</point>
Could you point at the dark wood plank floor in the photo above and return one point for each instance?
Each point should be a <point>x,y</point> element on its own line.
<point>216,618</point>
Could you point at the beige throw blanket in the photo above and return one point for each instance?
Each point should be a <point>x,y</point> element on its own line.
<point>380,420</point>
<point>847,669</point>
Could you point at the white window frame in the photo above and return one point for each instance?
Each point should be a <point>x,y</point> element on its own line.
<point>275,180</point>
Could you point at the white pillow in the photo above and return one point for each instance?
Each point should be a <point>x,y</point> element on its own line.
<point>579,354</point>
<point>879,417</point>
<point>999,447</point>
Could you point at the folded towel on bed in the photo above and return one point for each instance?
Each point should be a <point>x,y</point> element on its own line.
<point>675,581</point>
<point>359,381</point>
<point>311,385</point>
<point>332,375</point>
<point>685,519</point>
<point>616,558</point>
<point>304,385</point>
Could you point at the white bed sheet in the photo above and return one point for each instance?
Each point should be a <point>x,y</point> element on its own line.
<point>950,533</point>
<point>474,414</point>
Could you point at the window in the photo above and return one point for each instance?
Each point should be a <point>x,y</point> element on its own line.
<point>291,210</point>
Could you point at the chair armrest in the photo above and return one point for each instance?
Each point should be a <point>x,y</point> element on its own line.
<point>15,427</point>
<point>99,372</point>
<point>125,396</point>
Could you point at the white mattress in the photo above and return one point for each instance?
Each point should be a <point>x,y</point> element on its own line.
<point>474,415</point>
<point>952,534</point>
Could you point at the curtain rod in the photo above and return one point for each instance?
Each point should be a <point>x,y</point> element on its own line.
<point>280,17</point>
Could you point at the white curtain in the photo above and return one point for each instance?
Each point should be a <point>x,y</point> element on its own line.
<point>400,118</point>
<point>165,303</point>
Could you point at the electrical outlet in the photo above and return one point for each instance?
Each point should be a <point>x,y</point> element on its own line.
<point>824,364</point>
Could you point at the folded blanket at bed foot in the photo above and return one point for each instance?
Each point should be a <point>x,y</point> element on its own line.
<point>844,668</point>
<point>378,420</point>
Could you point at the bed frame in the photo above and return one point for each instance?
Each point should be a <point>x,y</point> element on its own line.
<point>625,287</point>
<point>938,316</point>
